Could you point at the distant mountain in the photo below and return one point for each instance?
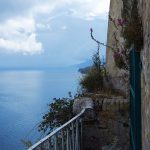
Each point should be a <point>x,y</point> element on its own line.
<point>85,64</point>
<point>84,67</point>
<point>84,70</point>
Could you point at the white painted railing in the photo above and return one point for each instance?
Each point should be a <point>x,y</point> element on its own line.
<point>66,137</point>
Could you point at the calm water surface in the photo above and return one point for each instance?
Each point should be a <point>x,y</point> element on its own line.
<point>24,96</point>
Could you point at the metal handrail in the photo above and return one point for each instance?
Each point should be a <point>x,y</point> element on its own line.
<point>71,138</point>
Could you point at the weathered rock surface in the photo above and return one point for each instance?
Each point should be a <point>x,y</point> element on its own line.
<point>144,11</point>
<point>110,124</point>
<point>115,12</point>
<point>82,103</point>
<point>117,76</point>
<point>111,147</point>
<point>144,8</point>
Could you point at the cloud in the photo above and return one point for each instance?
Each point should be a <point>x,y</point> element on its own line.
<point>79,8</point>
<point>18,35</point>
<point>64,27</point>
<point>20,29</point>
<point>28,46</point>
<point>89,9</point>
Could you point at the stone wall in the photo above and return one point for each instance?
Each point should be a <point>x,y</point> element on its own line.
<point>109,125</point>
<point>117,75</point>
<point>144,8</point>
<point>144,11</point>
<point>115,12</point>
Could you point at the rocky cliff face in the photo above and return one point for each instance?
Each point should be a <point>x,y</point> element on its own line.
<point>117,75</point>
<point>111,126</point>
<point>106,126</point>
<point>114,12</point>
<point>144,8</point>
<point>144,11</point>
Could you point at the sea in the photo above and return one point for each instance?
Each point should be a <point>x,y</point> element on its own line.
<point>24,99</point>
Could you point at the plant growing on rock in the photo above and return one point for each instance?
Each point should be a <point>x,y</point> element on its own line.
<point>93,80</point>
<point>130,29</point>
<point>121,57</point>
<point>133,30</point>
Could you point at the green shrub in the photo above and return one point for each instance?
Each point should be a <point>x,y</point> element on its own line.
<point>60,111</point>
<point>92,81</point>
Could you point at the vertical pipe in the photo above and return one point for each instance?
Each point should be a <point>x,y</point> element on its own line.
<point>77,136</point>
<point>67,139</point>
<point>50,143</point>
<point>55,142</point>
<point>81,138</point>
<point>70,137</point>
<point>62,140</point>
<point>73,137</point>
<point>47,144</point>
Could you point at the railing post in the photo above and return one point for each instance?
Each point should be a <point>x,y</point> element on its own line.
<point>62,140</point>
<point>67,139</point>
<point>55,142</point>
<point>77,136</point>
<point>70,137</point>
<point>81,138</point>
<point>73,141</point>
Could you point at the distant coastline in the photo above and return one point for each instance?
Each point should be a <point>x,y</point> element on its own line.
<point>84,70</point>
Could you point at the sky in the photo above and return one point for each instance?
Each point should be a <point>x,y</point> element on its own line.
<point>50,33</point>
